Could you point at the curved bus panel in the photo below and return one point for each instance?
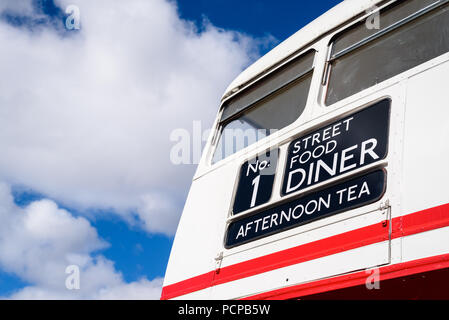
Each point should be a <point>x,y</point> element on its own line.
<point>338,188</point>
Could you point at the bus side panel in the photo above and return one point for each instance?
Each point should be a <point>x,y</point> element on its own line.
<point>199,236</point>
<point>426,162</point>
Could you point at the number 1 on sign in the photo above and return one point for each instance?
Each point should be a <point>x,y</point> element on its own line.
<point>256,182</point>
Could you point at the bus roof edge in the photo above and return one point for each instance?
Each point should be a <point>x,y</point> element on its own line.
<point>330,20</point>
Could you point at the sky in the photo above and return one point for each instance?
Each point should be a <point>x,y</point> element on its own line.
<point>86,114</point>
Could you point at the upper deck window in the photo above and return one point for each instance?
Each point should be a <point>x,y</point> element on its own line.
<point>271,104</point>
<point>411,33</point>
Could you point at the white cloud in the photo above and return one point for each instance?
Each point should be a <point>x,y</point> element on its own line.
<point>140,290</point>
<point>155,213</point>
<point>85,119</point>
<point>38,242</point>
<point>17,7</point>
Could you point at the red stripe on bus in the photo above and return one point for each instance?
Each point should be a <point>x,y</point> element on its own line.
<point>422,221</point>
<point>339,243</point>
<point>197,283</point>
<point>310,251</point>
<point>425,220</point>
<point>355,279</point>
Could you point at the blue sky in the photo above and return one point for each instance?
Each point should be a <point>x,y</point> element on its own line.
<point>279,18</point>
<point>136,247</point>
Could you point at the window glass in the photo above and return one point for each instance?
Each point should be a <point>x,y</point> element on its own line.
<point>271,83</point>
<point>399,50</point>
<point>387,18</point>
<point>263,118</point>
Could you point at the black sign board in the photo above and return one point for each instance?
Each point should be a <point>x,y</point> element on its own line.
<point>346,145</point>
<point>256,181</point>
<point>354,193</point>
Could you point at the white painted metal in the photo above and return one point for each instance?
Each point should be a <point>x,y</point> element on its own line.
<point>417,166</point>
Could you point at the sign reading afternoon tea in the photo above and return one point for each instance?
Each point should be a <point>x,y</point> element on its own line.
<point>350,194</point>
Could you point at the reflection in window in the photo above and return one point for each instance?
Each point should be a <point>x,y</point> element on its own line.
<point>412,33</point>
<point>279,100</point>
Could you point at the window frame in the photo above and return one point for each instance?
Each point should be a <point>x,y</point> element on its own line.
<point>220,124</point>
<point>331,57</point>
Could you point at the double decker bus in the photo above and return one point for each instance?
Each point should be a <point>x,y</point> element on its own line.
<point>325,176</point>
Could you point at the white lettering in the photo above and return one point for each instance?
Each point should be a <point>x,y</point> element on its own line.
<point>289,180</point>
<point>369,151</point>
<point>345,158</point>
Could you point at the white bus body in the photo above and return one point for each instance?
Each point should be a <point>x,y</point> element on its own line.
<point>391,247</point>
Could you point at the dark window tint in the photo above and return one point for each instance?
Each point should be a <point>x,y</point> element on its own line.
<point>393,52</point>
<point>275,105</point>
<point>269,84</point>
<point>388,17</point>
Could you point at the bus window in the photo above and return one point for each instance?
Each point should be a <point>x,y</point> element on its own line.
<point>410,33</point>
<point>270,105</point>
